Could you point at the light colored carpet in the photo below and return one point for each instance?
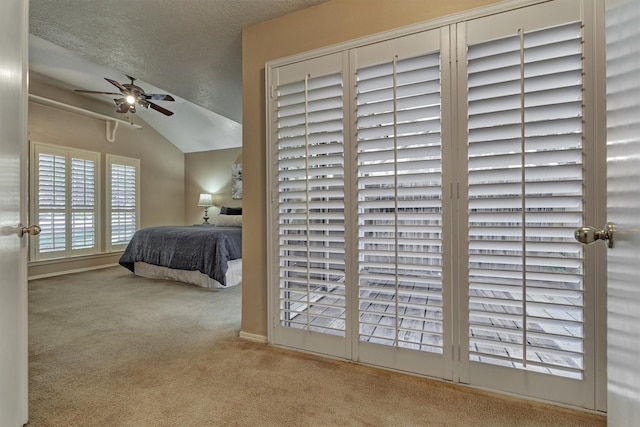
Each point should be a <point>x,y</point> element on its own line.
<point>107,348</point>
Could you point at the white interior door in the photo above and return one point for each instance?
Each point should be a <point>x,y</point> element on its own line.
<point>623,209</point>
<point>13,299</point>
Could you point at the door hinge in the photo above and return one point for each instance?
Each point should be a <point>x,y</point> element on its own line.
<point>455,194</point>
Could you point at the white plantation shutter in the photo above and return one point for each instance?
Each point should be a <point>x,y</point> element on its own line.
<point>65,182</point>
<point>310,204</point>
<point>123,196</point>
<point>83,203</point>
<point>400,203</point>
<point>51,200</point>
<point>428,254</point>
<point>526,294</point>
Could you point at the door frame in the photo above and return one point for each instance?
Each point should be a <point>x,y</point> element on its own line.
<point>24,215</point>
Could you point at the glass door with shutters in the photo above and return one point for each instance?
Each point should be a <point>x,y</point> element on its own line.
<point>402,286</point>
<point>308,194</point>
<point>423,193</point>
<point>528,141</point>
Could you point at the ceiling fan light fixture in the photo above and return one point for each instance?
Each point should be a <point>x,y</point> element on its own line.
<point>132,95</point>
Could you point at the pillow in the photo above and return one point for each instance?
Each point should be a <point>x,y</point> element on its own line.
<point>225,210</point>
<point>229,220</point>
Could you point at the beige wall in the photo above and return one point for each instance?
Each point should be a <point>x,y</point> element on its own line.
<point>162,187</point>
<point>319,26</point>
<point>209,172</point>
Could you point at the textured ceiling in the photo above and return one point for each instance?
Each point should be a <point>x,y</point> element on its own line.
<point>191,49</point>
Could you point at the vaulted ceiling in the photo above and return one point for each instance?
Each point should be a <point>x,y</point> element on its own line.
<point>190,49</point>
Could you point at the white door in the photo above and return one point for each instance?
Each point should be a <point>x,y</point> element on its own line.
<point>623,209</point>
<point>13,299</point>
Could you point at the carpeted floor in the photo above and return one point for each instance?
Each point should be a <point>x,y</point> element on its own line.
<point>107,348</point>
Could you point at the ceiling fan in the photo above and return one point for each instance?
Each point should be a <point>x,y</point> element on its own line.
<point>132,95</point>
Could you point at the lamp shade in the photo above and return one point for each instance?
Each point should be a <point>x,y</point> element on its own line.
<point>205,200</point>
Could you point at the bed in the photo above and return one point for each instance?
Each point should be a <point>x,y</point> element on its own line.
<point>205,255</point>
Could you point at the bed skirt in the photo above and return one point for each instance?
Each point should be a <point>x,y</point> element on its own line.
<point>150,271</point>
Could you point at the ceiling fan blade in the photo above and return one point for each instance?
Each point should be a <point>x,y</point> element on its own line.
<point>97,92</point>
<point>116,84</point>
<point>159,97</point>
<point>161,109</point>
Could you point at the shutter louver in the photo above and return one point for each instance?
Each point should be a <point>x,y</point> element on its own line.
<point>123,203</point>
<point>525,268</point>
<point>311,223</point>
<point>400,203</point>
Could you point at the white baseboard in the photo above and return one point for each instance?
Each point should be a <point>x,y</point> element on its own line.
<point>76,270</point>
<point>253,337</point>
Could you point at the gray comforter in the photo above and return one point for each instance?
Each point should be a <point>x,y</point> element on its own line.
<point>205,248</point>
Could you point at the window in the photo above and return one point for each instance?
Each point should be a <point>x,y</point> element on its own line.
<point>66,202</point>
<point>65,183</point>
<point>122,200</point>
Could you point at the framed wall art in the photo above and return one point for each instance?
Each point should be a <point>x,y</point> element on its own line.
<point>236,181</point>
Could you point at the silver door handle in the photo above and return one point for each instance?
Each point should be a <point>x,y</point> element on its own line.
<point>588,235</point>
<point>33,230</point>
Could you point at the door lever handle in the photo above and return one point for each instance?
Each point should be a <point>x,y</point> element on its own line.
<point>588,235</point>
<point>33,230</point>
